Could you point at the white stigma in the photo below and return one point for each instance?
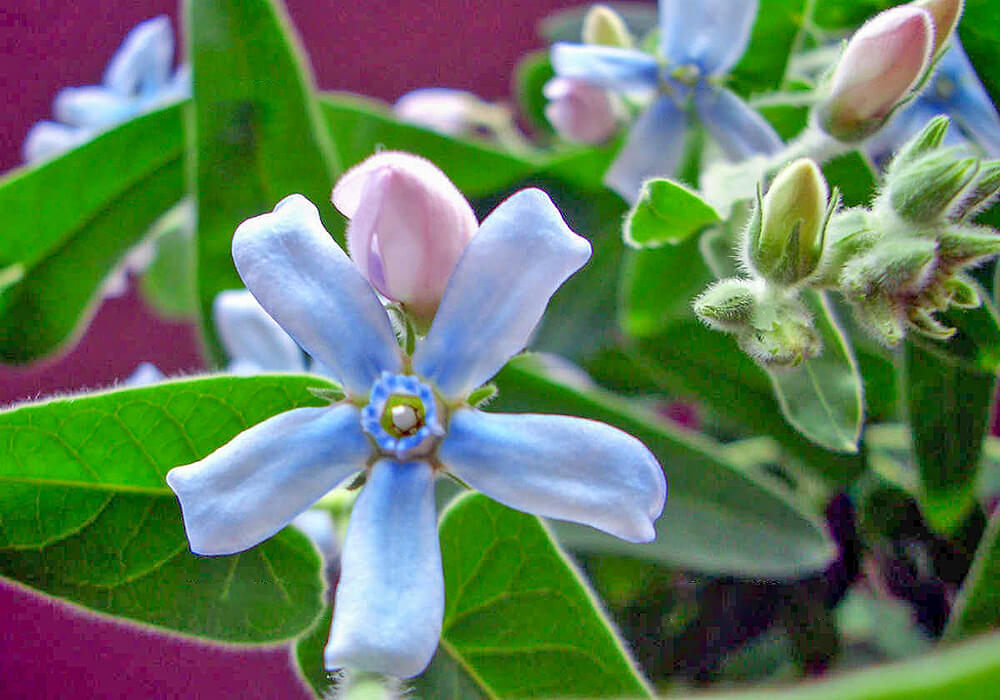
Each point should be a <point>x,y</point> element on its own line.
<point>404,417</point>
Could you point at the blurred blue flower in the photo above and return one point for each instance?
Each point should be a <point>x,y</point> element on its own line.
<point>954,91</point>
<point>698,43</point>
<point>406,420</point>
<point>137,80</point>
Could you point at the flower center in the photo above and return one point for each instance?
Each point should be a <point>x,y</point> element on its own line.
<point>402,417</point>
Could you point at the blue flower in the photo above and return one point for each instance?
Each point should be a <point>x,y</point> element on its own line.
<point>954,91</point>
<point>137,80</point>
<point>252,339</point>
<point>698,42</point>
<point>406,420</point>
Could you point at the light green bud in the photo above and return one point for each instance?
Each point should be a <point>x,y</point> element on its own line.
<point>728,305</point>
<point>785,243</point>
<point>960,246</point>
<point>928,139</point>
<point>925,190</point>
<point>893,267</point>
<point>781,332</point>
<point>848,235</point>
<point>602,26</point>
<point>878,316</point>
<point>982,192</point>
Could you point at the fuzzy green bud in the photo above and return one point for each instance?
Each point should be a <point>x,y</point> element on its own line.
<point>785,243</point>
<point>879,317</point>
<point>928,139</point>
<point>982,192</point>
<point>787,344</point>
<point>602,26</point>
<point>960,246</point>
<point>945,14</point>
<point>925,190</point>
<point>893,267</point>
<point>728,305</point>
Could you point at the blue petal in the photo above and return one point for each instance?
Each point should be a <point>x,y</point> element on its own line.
<point>144,375</point>
<point>142,63</point>
<point>739,130</point>
<point>972,108</point>
<point>559,467</point>
<point>48,139</point>
<point>653,149</point>
<point>309,286</point>
<point>251,487</point>
<point>390,598</point>
<point>498,292</point>
<point>91,106</point>
<point>251,338</point>
<point>711,34</point>
<point>605,66</point>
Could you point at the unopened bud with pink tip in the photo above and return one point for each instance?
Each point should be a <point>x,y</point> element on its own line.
<point>408,227</point>
<point>883,62</point>
<point>581,112</point>
<point>945,15</point>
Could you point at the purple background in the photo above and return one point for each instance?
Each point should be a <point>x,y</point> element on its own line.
<point>49,649</point>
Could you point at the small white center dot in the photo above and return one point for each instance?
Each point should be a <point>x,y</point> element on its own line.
<point>404,418</point>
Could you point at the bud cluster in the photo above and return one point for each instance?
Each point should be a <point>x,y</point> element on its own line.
<point>901,261</point>
<point>782,248</point>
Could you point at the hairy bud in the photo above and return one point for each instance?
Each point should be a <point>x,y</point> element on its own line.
<point>728,305</point>
<point>926,189</point>
<point>883,62</point>
<point>408,226</point>
<point>581,112</point>
<point>945,14</point>
<point>602,26</point>
<point>785,242</point>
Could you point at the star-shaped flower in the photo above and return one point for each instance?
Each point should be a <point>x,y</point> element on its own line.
<point>138,79</point>
<point>698,43</point>
<point>406,420</point>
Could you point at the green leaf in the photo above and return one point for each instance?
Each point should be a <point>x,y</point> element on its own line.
<point>361,127</point>
<point>690,361</point>
<point>63,233</point>
<point>660,284</point>
<point>666,212</point>
<point>519,619</point>
<point>977,607</point>
<point>979,31</point>
<point>168,285</point>
<point>854,176</point>
<point>774,36</point>
<point>967,671</point>
<point>847,14</point>
<point>533,70</point>
<point>823,397</point>
<point>718,519</point>
<point>950,388</point>
<point>85,514</point>
<point>308,654</point>
<point>258,135</point>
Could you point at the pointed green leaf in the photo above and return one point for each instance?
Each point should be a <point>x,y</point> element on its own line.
<point>718,519</point>
<point>968,671</point>
<point>63,233</point>
<point>950,387</point>
<point>977,607</point>
<point>823,397</point>
<point>666,212</point>
<point>519,620</point>
<point>774,38</point>
<point>169,284</point>
<point>659,286</point>
<point>85,513</point>
<point>258,135</point>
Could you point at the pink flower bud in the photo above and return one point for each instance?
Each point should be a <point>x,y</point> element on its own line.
<point>581,112</point>
<point>408,226</point>
<point>882,63</point>
<point>444,110</point>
